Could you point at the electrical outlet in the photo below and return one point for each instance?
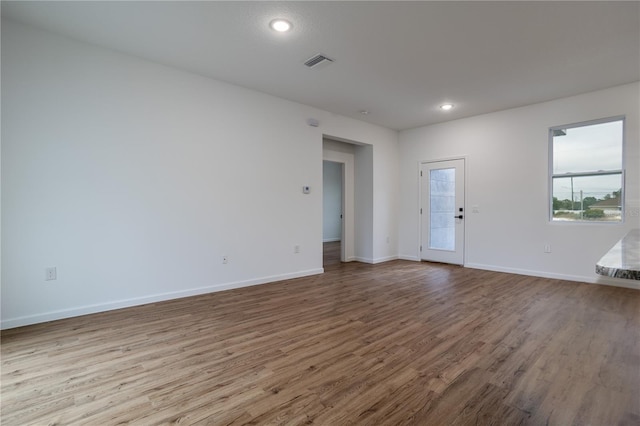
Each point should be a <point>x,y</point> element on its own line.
<point>225,260</point>
<point>547,248</point>
<point>50,274</point>
<point>296,249</point>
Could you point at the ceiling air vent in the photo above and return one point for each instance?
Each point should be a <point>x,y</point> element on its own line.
<point>317,60</point>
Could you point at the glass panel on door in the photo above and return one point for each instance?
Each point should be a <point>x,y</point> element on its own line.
<point>442,202</point>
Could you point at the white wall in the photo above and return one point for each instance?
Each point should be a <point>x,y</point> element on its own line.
<point>507,178</point>
<point>364,226</point>
<point>134,179</point>
<point>331,201</point>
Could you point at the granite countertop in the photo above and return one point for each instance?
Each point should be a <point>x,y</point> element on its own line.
<point>623,260</point>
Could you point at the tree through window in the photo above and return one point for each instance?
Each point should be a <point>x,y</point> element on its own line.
<point>587,178</point>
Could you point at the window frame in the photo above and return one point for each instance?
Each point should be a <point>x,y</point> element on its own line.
<point>621,171</point>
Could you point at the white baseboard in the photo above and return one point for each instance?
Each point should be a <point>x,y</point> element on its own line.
<point>385,259</point>
<point>102,307</point>
<point>330,240</point>
<point>408,257</point>
<point>374,261</point>
<point>109,306</point>
<point>616,282</point>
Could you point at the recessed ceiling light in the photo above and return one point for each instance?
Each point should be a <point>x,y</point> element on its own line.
<point>446,107</point>
<point>280,25</point>
<point>364,112</point>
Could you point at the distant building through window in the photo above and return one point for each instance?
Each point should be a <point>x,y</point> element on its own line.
<point>586,171</point>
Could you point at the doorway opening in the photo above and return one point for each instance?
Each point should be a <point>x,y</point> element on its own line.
<point>355,163</point>
<point>332,212</point>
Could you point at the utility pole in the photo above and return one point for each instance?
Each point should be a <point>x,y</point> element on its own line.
<point>572,202</point>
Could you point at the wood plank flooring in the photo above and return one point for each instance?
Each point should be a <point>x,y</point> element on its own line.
<point>331,255</point>
<point>389,344</point>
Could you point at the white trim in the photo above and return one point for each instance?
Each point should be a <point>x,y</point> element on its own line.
<point>385,259</point>
<point>362,259</point>
<point>408,257</point>
<point>376,260</point>
<point>616,282</point>
<point>103,307</point>
<point>331,240</point>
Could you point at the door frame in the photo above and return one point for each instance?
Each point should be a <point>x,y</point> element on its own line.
<point>465,160</point>
<point>347,241</point>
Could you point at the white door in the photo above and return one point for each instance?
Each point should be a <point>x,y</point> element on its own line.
<point>442,211</point>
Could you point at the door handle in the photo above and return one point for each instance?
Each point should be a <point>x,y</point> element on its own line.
<point>458,217</point>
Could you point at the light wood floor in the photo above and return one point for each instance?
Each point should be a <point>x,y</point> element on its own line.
<point>394,343</point>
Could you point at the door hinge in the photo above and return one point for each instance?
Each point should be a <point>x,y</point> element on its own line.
<point>420,172</point>
<point>420,248</point>
<point>420,211</point>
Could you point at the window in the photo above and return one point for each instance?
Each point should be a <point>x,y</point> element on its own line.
<point>587,176</point>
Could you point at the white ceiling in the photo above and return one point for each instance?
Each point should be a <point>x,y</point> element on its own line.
<point>399,60</point>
